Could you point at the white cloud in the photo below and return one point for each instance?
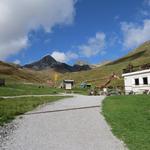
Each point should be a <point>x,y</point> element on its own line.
<point>147,2</point>
<point>17,62</point>
<point>144,13</point>
<point>94,45</point>
<point>135,34</point>
<point>71,55</point>
<point>59,56</point>
<point>18,17</point>
<point>7,49</point>
<point>64,57</point>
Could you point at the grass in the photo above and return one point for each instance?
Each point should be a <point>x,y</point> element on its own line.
<point>129,117</point>
<point>23,89</point>
<point>82,91</point>
<point>10,108</point>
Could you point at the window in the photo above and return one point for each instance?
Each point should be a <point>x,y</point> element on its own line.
<point>137,82</point>
<point>145,81</point>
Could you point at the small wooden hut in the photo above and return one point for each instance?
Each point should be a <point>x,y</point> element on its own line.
<point>2,82</point>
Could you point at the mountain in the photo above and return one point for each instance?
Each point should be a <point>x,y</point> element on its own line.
<point>48,62</point>
<point>100,64</point>
<point>138,56</point>
<point>36,72</point>
<point>99,75</point>
<point>13,73</point>
<point>44,63</point>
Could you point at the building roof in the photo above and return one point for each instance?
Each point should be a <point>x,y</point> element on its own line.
<point>136,73</point>
<point>68,80</point>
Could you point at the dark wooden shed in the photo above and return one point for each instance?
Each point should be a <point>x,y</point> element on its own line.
<point>2,82</point>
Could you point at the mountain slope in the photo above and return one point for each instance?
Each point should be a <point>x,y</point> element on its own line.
<point>12,73</point>
<point>45,62</point>
<point>48,62</point>
<point>138,56</point>
<point>37,72</point>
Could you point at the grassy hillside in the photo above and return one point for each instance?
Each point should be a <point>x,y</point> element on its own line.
<point>12,73</point>
<point>27,89</point>
<point>139,56</point>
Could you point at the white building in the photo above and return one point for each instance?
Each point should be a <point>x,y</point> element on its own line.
<point>68,84</point>
<point>137,82</point>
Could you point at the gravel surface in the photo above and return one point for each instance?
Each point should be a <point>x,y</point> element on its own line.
<point>81,129</point>
<point>24,96</point>
<point>5,132</point>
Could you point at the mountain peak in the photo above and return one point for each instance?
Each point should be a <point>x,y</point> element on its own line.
<point>48,62</point>
<point>44,63</point>
<point>81,63</point>
<point>48,59</point>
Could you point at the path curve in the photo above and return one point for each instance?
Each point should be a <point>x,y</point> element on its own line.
<point>26,96</point>
<point>78,129</point>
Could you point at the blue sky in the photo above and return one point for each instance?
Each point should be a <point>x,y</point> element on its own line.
<point>93,31</point>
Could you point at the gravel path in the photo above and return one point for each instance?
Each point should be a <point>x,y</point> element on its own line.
<point>80,129</point>
<point>24,96</point>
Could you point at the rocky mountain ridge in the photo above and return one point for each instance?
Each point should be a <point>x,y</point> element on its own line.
<point>48,62</point>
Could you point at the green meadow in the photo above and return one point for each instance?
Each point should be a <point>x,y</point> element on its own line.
<point>129,118</point>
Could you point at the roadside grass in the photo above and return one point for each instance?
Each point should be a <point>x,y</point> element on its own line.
<point>32,89</point>
<point>25,89</point>
<point>129,117</point>
<point>82,91</point>
<point>10,108</point>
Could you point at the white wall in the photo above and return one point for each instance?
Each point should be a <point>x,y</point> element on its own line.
<point>68,86</point>
<point>129,80</point>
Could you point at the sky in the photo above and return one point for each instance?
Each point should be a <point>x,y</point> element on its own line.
<point>72,30</point>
